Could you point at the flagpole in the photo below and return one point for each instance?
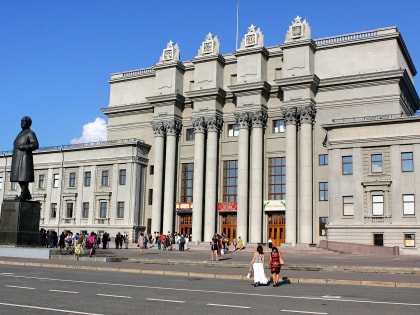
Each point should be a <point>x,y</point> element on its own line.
<point>237,22</point>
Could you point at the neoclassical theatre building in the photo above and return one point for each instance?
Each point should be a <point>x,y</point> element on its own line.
<point>307,140</point>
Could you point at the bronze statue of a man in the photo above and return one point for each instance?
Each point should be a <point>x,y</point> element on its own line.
<point>22,160</point>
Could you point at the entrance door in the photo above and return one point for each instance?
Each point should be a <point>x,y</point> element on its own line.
<point>185,223</point>
<point>276,227</point>
<point>229,226</point>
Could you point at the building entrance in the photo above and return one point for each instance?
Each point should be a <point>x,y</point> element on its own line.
<point>185,223</point>
<point>229,226</point>
<point>276,227</point>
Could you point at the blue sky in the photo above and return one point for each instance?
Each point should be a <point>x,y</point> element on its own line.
<point>56,56</point>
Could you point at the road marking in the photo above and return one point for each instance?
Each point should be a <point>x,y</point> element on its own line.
<point>17,287</point>
<point>331,297</point>
<point>48,309</point>
<point>116,296</point>
<point>224,305</point>
<point>62,291</point>
<point>303,312</point>
<point>161,300</point>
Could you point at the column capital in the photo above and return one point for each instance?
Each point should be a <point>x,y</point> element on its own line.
<point>259,119</point>
<point>159,128</point>
<point>291,115</point>
<point>214,123</point>
<point>173,127</point>
<point>243,120</point>
<point>307,114</point>
<point>199,124</point>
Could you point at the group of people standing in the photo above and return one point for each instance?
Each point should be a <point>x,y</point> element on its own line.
<point>275,262</point>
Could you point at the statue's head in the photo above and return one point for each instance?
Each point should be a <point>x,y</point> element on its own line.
<point>26,122</point>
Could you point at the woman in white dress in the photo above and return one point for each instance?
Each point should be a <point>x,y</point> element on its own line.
<point>257,263</point>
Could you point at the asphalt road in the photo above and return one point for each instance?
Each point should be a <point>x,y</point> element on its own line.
<point>37,290</point>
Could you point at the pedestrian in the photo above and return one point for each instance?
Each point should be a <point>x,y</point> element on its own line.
<point>214,244</point>
<point>240,244</point>
<point>126,240</point>
<point>92,249</point>
<point>181,243</point>
<point>257,263</point>
<point>140,243</point>
<point>275,262</point>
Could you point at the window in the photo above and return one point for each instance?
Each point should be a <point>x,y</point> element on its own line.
<point>122,176</point>
<point>323,191</point>
<point>233,130</point>
<point>376,162</point>
<point>53,213</point>
<point>323,159</point>
<point>85,210</point>
<point>408,205</point>
<point>120,209</point>
<point>103,209</point>
<point>187,177</point>
<point>105,178</point>
<point>277,178</point>
<point>323,221</point>
<point>348,207</point>
<point>378,239</point>
<point>69,210</point>
<point>407,162</point>
<point>378,205</point>
<point>230,181</point>
<point>347,162</point>
<point>72,179</point>
<point>152,169</point>
<point>279,125</point>
<point>150,199</point>
<point>1,183</point>
<point>56,180</point>
<point>88,177</point>
<point>409,240</point>
<point>190,134</point>
<point>41,181</point>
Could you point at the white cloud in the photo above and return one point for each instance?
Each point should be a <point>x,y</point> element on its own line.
<point>92,132</point>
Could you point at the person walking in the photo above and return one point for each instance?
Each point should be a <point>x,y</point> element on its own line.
<point>257,263</point>
<point>275,265</point>
<point>140,243</point>
<point>214,247</point>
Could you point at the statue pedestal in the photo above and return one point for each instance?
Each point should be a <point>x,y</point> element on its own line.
<point>19,223</point>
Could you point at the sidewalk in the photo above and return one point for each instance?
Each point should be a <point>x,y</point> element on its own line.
<point>303,265</point>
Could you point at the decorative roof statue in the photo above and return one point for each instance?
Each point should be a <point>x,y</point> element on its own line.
<point>298,30</point>
<point>170,53</point>
<point>210,46</point>
<point>254,38</point>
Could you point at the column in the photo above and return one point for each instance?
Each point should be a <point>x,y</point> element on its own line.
<point>305,176</point>
<point>159,149</point>
<point>198,181</point>
<point>291,171</point>
<point>259,120</point>
<point>172,131</point>
<point>243,165</point>
<point>214,125</point>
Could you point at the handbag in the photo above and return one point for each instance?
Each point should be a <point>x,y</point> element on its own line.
<point>281,260</point>
<point>249,274</point>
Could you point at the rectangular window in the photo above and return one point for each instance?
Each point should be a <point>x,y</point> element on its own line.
<point>41,181</point>
<point>72,179</point>
<point>152,169</point>
<point>123,176</point>
<point>347,164</point>
<point>56,180</point>
<point>323,159</point>
<point>233,130</point>
<point>409,240</point>
<point>408,205</point>
<point>378,205</point>
<point>120,209</point>
<point>69,210</point>
<point>150,197</point>
<point>1,183</point>
<point>376,162</point>
<point>230,181</point>
<point>277,178</point>
<point>323,221</point>
<point>105,178</point>
<point>407,164</point>
<point>87,179</point>
<point>323,191</point>
<point>279,126</point>
<point>378,239</point>
<point>103,209</point>
<point>348,206</point>
<point>187,177</point>
<point>190,134</point>
<point>85,210</point>
<point>53,213</point>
